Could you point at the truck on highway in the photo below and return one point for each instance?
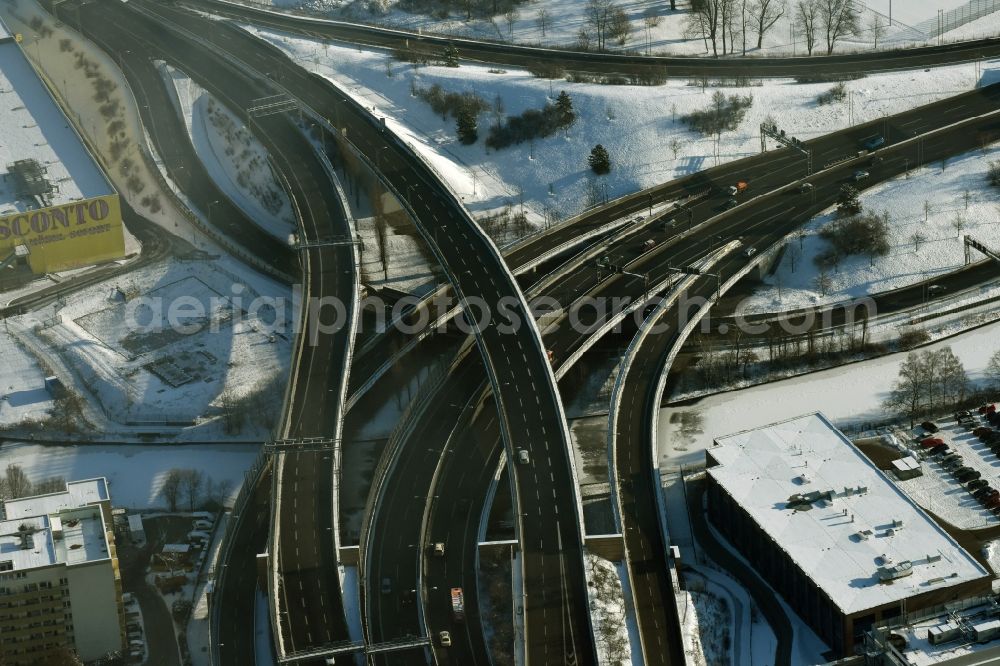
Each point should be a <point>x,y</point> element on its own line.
<point>739,188</point>
<point>457,604</point>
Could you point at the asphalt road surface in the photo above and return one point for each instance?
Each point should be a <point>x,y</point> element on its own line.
<point>606,63</point>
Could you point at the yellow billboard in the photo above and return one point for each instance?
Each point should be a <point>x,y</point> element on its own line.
<point>58,238</point>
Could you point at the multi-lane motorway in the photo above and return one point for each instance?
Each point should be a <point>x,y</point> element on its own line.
<point>441,493</point>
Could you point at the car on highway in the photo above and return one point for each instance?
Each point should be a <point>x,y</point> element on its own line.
<point>860,175</point>
<point>438,549</point>
<point>873,142</point>
<point>749,252</point>
<point>805,188</point>
<point>386,586</point>
<point>523,457</point>
<point>730,204</point>
<point>648,245</point>
<point>444,639</point>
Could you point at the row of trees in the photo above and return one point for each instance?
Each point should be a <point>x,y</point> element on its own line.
<point>15,484</point>
<point>192,488</point>
<point>722,24</point>
<point>928,381</point>
<point>730,25</point>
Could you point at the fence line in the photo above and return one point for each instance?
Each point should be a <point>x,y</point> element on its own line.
<point>955,18</point>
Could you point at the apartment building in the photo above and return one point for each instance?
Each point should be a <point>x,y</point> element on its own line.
<point>60,586</point>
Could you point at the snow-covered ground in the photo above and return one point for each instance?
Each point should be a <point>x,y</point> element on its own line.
<point>22,382</point>
<point>639,125</point>
<point>235,160</point>
<point>135,472</point>
<point>653,26</point>
<point>138,344</point>
<point>941,248</point>
<point>608,611</point>
<point>847,395</point>
<point>711,644</point>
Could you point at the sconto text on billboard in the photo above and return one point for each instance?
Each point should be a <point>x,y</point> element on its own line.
<point>68,236</point>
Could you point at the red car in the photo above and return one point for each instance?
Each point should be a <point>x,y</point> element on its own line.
<point>931,442</point>
<point>987,408</point>
<point>992,503</point>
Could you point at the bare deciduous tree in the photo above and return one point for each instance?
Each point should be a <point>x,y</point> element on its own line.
<point>542,20</point>
<point>838,18</point>
<point>170,491</point>
<point>192,481</point>
<point>619,27</point>
<point>807,20</point>
<point>877,28</point>
<point>599,13</point>
<point>765,13</point>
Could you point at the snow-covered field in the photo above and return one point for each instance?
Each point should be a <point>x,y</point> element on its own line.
<point>941,248</point>
<point>22,382</point>
<point>847,395</point>
<point>235,160</point>
<point>653,26</point>
<point>135,472</point>
<point>138,346</point>
<point>640,126</point>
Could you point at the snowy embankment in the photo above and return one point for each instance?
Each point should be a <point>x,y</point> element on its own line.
<point>652,26</point>
<point>640,126</point>
<point>848,395</point>
<point>929,213</point>
<point>608,610</point>
<point>237,162</point>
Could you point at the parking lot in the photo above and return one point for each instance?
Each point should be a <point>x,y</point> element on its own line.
<point>937,489</point>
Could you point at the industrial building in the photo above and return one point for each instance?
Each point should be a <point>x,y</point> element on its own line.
<point>841,543</point>
<point>57,209</point>
<point>60,586</point>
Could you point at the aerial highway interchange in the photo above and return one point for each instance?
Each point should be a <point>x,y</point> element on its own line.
<point>493,421</point>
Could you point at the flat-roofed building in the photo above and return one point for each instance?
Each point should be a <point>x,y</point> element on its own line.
<point>830,532</point>
<point>57,208</point>
<point>60,586</point>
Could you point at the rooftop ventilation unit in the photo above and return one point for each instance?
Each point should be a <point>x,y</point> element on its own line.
<point>894,571</point>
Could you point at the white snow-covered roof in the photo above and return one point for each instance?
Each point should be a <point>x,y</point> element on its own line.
<point>859,524</point>
<point>74,536</point>
<point>33,127</point>
<point>77,494</point>
<point>4,31</point>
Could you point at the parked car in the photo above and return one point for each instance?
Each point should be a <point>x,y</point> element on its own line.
<point>928,442</point>
<point>984,492</point>
<point>978,483</point>
<point>994,503</point>
<point>968,475</point>
<point>991,439</point>
<point>962,414</point>
<point>990,494</point>
<point>938,450</point>
<point>930,427</point>
<point>987,408</point>
<point>981,432</point>
<point>952,460</point>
